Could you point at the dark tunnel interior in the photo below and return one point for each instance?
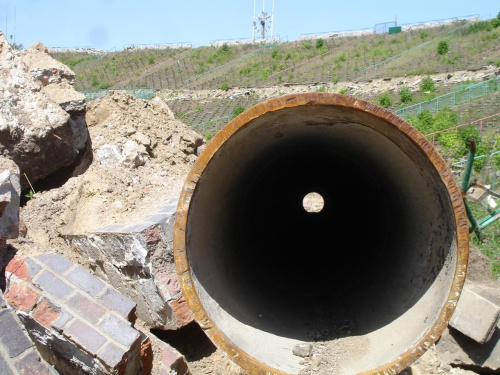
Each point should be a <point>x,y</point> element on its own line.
<point>374,253</point>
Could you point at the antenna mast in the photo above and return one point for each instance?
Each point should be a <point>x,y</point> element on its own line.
<point>262,18</point>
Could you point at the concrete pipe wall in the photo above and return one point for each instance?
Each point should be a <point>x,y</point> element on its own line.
<point>370,281</point>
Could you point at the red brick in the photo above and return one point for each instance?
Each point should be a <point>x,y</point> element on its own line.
<point>147,356</point>
<point>173,360</point>
<point>45,314</point>
<point>182,311</point>
<point>18,267</point>
<point>21,296</point>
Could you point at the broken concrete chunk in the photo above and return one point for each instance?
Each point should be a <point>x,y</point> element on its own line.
<point>475,316</point>
<point>10,190</point>
<point>302,350</point>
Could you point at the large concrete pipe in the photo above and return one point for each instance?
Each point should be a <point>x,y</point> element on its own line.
<point>369,282</point>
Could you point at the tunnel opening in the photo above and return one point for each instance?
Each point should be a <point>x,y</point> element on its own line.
<point>371,265</point>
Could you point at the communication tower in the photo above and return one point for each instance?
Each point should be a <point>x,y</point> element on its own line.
<point>263,21</point>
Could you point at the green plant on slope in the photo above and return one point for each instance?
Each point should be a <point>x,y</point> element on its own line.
<point>385,100</point>
<point>442,48</point>
<point>427,85</point>
<point>405,95</point>
<point>238,110</point>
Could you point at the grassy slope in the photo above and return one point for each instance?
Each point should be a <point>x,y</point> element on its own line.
<point>348,59</point>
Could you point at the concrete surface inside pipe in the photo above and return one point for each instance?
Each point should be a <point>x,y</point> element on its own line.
<point>371,271</point>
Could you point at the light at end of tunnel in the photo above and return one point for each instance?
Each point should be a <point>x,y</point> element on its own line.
<point>313,202</point>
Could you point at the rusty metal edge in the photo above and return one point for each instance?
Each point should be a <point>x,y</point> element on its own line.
<point>294,100</point>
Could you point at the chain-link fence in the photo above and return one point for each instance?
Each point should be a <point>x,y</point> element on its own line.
<point>209,128</point>
<point>463,95</point>
<point>138,93</point>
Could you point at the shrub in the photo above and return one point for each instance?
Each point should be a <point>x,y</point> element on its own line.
<point>442,48</point>
<point>151,60</point>
<point>224,87</point>
<point>307,45</point>
<point>275,53</point>
<point>385,100</point>
<point>288,56</point>
<point>320,43</point>
<point>424,34</point>
<point>427,84</point>
<point>405,95</point>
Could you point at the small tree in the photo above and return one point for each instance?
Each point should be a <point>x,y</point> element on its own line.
<point>427,84</point>
<point>442,48</point>
<point>385,100</point>
<point>405,95</point>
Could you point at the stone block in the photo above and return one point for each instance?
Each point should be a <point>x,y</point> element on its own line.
<point>56,262</point>
<point>12,336</point>
<point>112,355</point>
<point>10,190</point>
<point>119,330</point>
<point>52,284</point>
<point>475,316</point>
<point>117,302</point>
<point>87,309</point>
<point>86,281</point>
<point>85,336</point>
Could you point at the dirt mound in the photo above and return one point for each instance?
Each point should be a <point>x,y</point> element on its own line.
<point>141,155</point>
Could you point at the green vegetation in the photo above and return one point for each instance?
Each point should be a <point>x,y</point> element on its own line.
<point>320,43</point>
<point>454,143</point>
<point>238,110</point>
<point>405,95</point>
<point>442,48</point>
<point>427,85</point>
<point>385,100</point>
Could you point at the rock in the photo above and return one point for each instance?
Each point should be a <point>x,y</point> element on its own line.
<point>108,155</point>
<point>475,316</point>
<point>141,139</point>
<point>137,259</point>
<point>35,132</point>
<point>10,190</point>
<point>133,155</point>
<point>456,349</point>
<point>44,68</point>
<point>302,350</point>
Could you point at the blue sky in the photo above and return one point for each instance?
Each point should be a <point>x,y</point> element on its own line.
<point>108,24</point>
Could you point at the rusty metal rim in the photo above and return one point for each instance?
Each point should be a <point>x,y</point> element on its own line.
<point>294,100</point>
